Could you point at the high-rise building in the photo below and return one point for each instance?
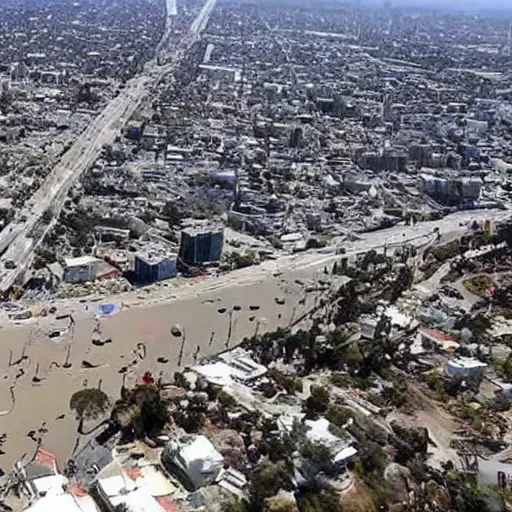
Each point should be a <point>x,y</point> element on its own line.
<point>199,246</point>
<point>154,266</point>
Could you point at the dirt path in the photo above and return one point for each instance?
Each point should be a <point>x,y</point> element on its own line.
<point>439,423</point>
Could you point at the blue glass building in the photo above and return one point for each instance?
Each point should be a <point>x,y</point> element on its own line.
<point>151,267</point>
<point>201,246</point>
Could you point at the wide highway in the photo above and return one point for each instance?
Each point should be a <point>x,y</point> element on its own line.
<point>18,240</point>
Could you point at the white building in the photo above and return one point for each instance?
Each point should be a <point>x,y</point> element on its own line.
<point>318,432</point>
<point>341,449</point>
<point>64,501</point>
<point>82,269</point>
<point>233,365</point>
<point>53,493</point>
<point>121,490</point>
<point>194,460</point>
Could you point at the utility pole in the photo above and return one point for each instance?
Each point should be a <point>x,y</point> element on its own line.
<point>182,347</point>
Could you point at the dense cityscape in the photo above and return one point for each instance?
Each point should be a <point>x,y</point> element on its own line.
<point>255,256</point>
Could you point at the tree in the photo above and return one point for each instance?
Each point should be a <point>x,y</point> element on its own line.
<point>287,383</point>
<point>318,401</point>
<point>237,506</point>
<point>278,447</point>
<point>372,458</point>
<point>267,480</point>
<point>465,494</point>
<point>403,281</point>
<point>89,403</point>
<point>339,416</point>
<point>190,421</point>
<point>321,499</point>
<point>347,304</point>
<point>47,216</point>
<point>319,456</point>
<point>507,368</point>
<point>237,260</point>
<point>148,411</point>
<point>279,505</point>
<point>346,354</point>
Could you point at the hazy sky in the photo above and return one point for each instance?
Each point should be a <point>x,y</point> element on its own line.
<point>459,4</point>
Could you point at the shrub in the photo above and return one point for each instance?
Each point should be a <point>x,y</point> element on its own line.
<point>287,383</point>
<point>319,456</point>
<point>339,415</point>
<point>318,401</point>
<point>226,400</point>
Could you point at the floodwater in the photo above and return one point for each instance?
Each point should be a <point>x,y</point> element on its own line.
<point>43,387</point>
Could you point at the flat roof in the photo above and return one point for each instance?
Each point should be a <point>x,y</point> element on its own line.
<point>156,256</point>
<point>115,485</point>
<point>50,484</point>
<point>139,500</point>
<point>154,480</point>
<point>65,502</point>
<point>200,230</point>
<point>80,261</point>
<point>194,447</point>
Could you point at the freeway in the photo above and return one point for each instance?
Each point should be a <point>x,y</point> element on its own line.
<point>309,262</point>
<point>22,236</point>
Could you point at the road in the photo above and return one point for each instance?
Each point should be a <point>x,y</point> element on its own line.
<point>172,291</point>
<point>17,240</point>
<point>418,235</point>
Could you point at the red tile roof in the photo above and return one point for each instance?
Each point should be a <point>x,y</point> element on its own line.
<point>168,503</point>
<point>46,459</point>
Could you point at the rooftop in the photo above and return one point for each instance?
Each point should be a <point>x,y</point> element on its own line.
<point>80,261</point>
<point>153,256</point>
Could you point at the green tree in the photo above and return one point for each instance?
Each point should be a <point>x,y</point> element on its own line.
<point>507,368</point>
<point>237,506</point>
<point>321,499</point>
<point>318,401</point>
<point>465,494</point>
<point>89,403</point>
<point>319,456</point>
<point>278,447</point>
<point>152,412</point>
<point>279,505</point>
<point>267,480</point>
<point>372,459</point>
<point>190,421</point>
<point>347,304</point>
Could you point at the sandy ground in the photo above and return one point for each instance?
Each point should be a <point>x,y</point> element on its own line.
<point>42,403</point>
<point>147,318</point>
